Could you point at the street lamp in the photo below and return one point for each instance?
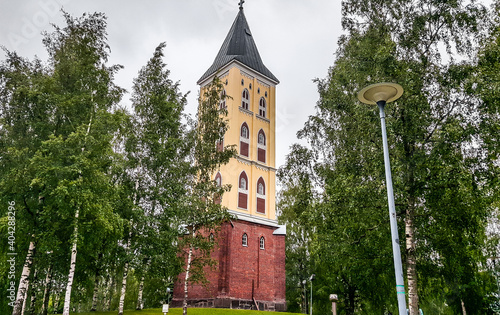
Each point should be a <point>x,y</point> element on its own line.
<point>311,304</point>
<point>304,282</point>
<point>380,94</point>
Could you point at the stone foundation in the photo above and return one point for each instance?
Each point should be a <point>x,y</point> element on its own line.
<point>236,304</point>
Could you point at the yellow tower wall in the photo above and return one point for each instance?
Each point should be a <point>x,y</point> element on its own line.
<point>233,74</point>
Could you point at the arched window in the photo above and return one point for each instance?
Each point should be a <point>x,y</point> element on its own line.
<point>243,191</point>
<point>261,146</point>
<point>243,183</point>
<point>260,189</point>
<point>244,131</point>
<point>244,140</point>
<point>261,196</point>
<point>220,145</point>
<point>262,107</point>
<point>245,99</point>
<point>262,137</point>
<point>244,240</point>
<point>218,182</point>
<point>262,242</point>
<point>222,103</point>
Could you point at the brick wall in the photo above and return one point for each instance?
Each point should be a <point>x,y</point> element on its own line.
<point>243,272</point>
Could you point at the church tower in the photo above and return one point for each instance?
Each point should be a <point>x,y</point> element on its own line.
<point>251,253</point>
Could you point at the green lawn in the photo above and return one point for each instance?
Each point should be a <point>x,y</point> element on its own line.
<point>191,311</point>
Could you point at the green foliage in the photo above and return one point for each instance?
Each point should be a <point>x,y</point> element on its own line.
<point>195,311</point>
<point>57,134</point>
<point>202,213</point>
<point>66,147</point>
<point>443,183</point>
<point>158,168</point>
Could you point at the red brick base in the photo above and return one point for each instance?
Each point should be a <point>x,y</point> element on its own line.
<point>246,276</point>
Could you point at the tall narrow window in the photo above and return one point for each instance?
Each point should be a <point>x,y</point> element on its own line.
<point>244,140</point>
<point>261,146</point>
<point>262,107</point>
<point>222,103</point>
<point>262,242</point>
<point>261,196</point>
<point>244,240</point>
<point>245,99</point>
<point>243,191</point>
<point>218,182</point>
<point>220,145</point>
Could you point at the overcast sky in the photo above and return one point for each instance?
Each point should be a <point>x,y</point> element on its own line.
<point>296,40</point>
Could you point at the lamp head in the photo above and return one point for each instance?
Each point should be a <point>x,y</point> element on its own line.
<point>374,93</point>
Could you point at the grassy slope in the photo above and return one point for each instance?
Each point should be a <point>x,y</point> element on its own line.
<point>191,311</point>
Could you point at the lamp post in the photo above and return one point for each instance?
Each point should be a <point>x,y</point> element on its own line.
<point>304,282</point>
<point>380,94</point>
<point>311,304</point>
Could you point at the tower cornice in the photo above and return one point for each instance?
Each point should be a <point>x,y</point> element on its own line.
<point>242,67</point>
<point>259,165</point>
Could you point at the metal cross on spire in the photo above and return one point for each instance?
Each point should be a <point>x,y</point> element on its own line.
<point>241,4</point>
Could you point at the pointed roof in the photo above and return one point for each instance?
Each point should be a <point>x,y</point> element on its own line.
<point>239,45</point>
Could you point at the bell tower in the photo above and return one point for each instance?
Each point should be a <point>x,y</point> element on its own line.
<point>251,253</point>
<point>252,124</point>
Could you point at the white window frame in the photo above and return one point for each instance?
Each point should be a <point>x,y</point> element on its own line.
<point>262,109</point>
<point>245,101</point>
<point>244,240</point>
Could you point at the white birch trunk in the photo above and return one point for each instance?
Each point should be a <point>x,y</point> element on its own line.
<point>463,308</point>
<point>96,291</point>
<point>186,279</point>
<point>24,281</point>
<point>107,293</point>
<point>33,293</point>
<point>46,292</point>
<point>111,293</point>
<point>411,269</point>
<point>72,267</point>
<point>124,289</point>
<point>140,305</point>
<point>125,274</point>
<point>25,298</point>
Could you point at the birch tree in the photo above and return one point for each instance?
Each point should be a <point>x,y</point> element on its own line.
<point>60,146</point>
<point>202,211</point>
<point>157,150</point>
<point>441,186</point>
<point>24,121</point>
<point>428,36</point>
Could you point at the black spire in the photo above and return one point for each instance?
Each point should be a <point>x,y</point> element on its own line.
<point>239,45</point>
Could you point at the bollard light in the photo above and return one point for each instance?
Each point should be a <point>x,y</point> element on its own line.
<point>334,298</point>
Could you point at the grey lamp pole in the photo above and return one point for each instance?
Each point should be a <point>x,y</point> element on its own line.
<point>311,304</point>
<point>381,94</point>
<point>305,296</point>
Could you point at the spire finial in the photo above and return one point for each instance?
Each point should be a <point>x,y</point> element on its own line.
<point>241,4</point>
